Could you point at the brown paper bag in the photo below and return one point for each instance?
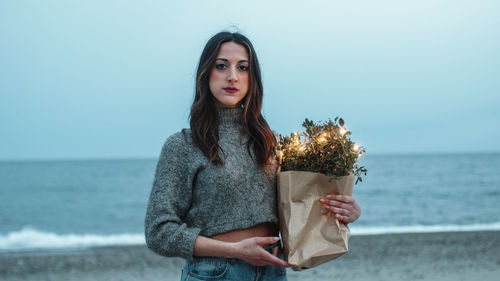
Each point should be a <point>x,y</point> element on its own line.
<point>309,237</point>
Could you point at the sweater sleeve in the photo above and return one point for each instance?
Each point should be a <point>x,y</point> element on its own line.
<point>170,199</point>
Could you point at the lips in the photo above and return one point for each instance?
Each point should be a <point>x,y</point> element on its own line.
<point>231,89</point>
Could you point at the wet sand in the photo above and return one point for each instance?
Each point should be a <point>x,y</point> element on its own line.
<point>430,256</point>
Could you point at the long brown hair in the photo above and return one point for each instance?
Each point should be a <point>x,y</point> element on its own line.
<point>204,119</point>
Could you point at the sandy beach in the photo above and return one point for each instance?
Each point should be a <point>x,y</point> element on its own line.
<point>432,256</point>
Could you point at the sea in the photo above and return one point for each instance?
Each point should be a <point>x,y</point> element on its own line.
<point>69,204</point>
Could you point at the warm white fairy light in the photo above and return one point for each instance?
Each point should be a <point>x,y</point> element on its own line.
<point>355,147</point>
<point>342,131</point>
<point>322,137</point>
<point>296,138</point>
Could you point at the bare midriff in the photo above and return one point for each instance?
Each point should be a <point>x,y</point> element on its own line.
<point>260,230</point>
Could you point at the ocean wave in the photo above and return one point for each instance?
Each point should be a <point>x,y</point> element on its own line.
<point>29,238</point>
<point>375,230</point>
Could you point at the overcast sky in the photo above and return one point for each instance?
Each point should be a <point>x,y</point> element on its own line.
<point>113,79</point>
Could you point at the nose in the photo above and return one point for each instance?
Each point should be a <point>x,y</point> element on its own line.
<point>232,77</point>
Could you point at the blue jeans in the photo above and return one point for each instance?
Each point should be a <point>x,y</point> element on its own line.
<point>220,268</point>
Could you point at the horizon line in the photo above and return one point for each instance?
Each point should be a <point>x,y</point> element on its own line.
<point>124,158</point>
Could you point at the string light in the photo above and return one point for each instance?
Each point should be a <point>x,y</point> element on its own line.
<point>342,131</point>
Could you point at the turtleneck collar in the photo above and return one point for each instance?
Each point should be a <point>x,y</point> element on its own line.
<point>230,117</point>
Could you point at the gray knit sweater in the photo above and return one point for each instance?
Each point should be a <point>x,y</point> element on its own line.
<point>191,197</point>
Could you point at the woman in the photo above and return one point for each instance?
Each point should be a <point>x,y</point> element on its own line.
<point>213,200</point>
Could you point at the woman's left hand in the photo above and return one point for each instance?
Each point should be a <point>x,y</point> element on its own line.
<point>345,207</point>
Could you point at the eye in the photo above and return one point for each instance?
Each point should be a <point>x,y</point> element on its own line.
<point>243,67</point>
<point>220,66</point>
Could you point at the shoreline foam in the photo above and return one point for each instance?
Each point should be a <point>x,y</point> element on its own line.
<point>29,239</point>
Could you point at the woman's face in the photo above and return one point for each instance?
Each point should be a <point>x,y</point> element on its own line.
<point>229,78</point>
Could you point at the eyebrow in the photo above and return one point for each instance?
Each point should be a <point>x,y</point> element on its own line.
<point>228,60</point>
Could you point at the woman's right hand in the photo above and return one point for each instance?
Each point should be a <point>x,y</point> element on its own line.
<point>252,251</point>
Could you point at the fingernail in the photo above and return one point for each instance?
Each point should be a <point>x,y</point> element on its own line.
<point>330,196</point>
<point>322,200</point>
<point>276,238</point>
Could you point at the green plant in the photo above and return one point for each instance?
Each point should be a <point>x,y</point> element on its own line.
<point>324,147</point>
